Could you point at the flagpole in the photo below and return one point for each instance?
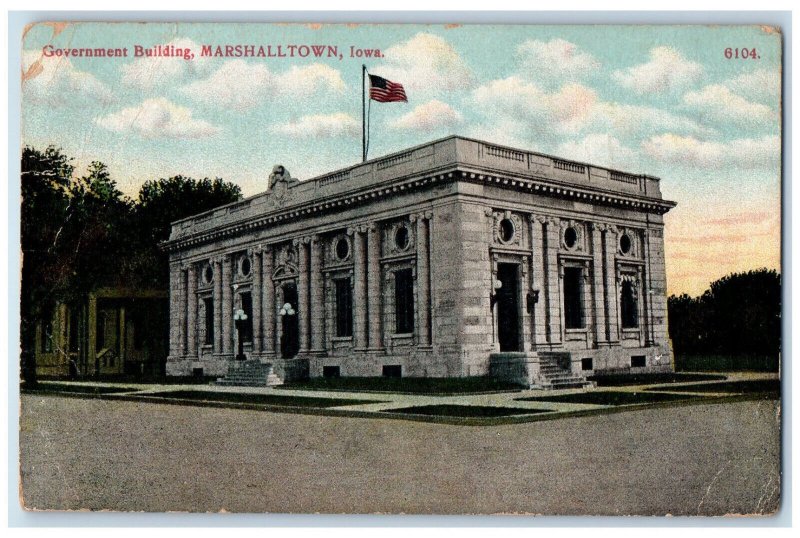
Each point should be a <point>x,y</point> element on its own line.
<point>363,114</point>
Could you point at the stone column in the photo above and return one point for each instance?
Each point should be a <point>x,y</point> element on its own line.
<point>374,287</point>
<point>302,293</point>
<point>191,315</point>
<point>174,313</point>
<point>268,303</point>
<point>553,281</point>
<point>612,296</point>
<point>539,281</point>
<point>217,264</point>
<point>360,292</point>
<point>227,306</point>
<point>424,278</point>
<point>598,287</point>
<point>182,311</point>
<point>317,302</point>
<point>255,293</point>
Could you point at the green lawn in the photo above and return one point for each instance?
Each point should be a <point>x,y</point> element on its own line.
<point>464,411</point>
<point>434,386</point>
<point>75,389</point>
<point>610,398</point>
<point>269,399</point>
<point>725,363</point>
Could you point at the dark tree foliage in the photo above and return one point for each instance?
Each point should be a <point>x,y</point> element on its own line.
<point>164,201</point>
<point>739,314</point>
<point>81,233</point>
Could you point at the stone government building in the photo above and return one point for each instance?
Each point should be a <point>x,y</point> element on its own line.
<point>454,258</point>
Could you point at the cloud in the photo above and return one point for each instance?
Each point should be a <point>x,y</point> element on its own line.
<point>321,126</point>
<point>716,103</point>
<point>241,85</point>
<point>157,118</point>
<point>601,150</point>
<point>747,153</point>
<point>429,117</point>
<point>554,61</point>
<point>425,63</point>
<point>762,85</point>
<point>666,72</point>
<point>147,73</point>
<point>57,82</point>
<point>573,109</point>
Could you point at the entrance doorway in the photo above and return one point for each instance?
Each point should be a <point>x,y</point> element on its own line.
<point>508,307</point>
<point>290,342</point>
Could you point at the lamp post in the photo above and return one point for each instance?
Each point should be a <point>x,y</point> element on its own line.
<point>239,319</point>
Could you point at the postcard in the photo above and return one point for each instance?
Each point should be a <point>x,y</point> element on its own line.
<point>400,268</point>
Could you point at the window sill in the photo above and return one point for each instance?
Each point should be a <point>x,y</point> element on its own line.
<point>403,336</point>
<point>341,338</point>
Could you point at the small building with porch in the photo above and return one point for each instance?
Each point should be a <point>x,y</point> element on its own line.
<point>454,258</point>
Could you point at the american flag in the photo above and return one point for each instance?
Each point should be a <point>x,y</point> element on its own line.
<point>385,91</point>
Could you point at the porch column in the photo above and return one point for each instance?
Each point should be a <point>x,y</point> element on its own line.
<point>268,302</point>
<point>217,265</point>
<point>191,314</point>
<point>227,306</point>
<point>552,236</point>
<point>612,295</point>
<point>317,302</point>
<point>424,278</point>
<point>360,292</point>
<point>598,287</point>
<point>255,294</point>
<point>374,287</point>
<point>539,282</point>
<point>302,293</point>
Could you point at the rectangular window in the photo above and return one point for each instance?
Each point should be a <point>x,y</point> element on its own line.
<point>638,361</point>
<point>573,298</point>
<point>330,371</point>
<point>47,337</point>
<point>208,306</point>
<point>404,301</point>
<point>344,307</point>
<point>247,306</point>
<point>100,331</point>
<point>629,311</point>
<point>586,364</point>
<point>392,370</point>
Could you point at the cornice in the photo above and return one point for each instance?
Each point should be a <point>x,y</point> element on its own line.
<point>540,186</point>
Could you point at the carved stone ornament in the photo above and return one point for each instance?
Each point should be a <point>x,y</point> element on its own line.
<point>629,243</point>
<point>573,236</point>
<point>399,237</point>
<point>507,228</point>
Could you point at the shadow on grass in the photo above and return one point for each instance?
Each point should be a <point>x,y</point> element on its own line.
<point>432,386</point>
<point>69,388</point>
<point>269,399</point>
<point>767,386</point>
<point>464,411</point>
<point>621,380</point>
<point>612,398</point>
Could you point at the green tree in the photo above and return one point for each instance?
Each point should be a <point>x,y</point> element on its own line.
<point>740,314</point>
<point>45,180</point>
<point>162,202</point>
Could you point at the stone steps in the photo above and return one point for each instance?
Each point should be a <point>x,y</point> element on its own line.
<point>556,377</point>
<point>250,373</point>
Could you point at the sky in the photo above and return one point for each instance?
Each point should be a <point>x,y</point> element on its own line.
<point>660,100</point>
